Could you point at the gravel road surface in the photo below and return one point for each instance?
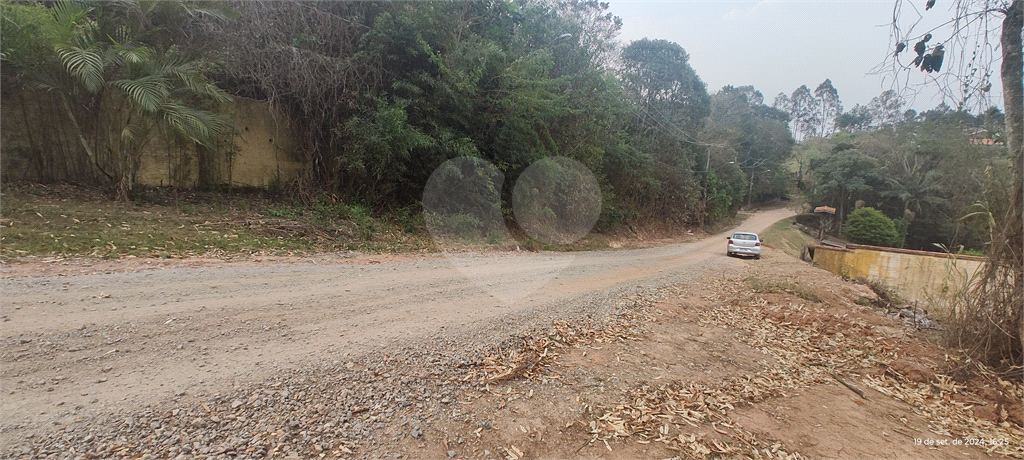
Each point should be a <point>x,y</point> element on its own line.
<point>78,347</point>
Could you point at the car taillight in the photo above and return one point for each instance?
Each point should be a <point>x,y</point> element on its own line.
<point>757,243</point>
<point>730,241</point>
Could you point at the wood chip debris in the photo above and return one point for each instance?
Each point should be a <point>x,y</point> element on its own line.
<point>513,453</point>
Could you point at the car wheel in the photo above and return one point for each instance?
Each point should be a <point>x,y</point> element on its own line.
<point>757,256</point>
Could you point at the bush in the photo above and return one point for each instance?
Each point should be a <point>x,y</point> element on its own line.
<point>808,219</point>
<point>464,226</point>
<point>869,226</point>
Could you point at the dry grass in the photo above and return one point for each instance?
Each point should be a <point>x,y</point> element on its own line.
<point>68,221</point>
<point>696,419</point>
<point>761,285</point>
<point>782,235</point>
<point>986,320</point>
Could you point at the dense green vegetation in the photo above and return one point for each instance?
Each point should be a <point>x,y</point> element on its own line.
<point>385,92</point>
<point>869,226</point>
<point>941,176</point>
<point>114,72</point>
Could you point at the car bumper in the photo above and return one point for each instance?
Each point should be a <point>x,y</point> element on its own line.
<point>747,251</point>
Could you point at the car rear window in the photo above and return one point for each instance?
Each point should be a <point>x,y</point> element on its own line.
<point>740,236</point>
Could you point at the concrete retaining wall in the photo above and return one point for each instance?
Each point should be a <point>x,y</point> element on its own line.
<point>38,143</point>
<point>917,275</point>
<point>264,153</point>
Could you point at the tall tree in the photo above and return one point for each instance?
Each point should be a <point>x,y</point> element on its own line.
<point>657,74</point>
<point>845,176</point>
<point>887,109</point>
<point>858,118</point>
<point>671,105</point>
<point>933,174</point>
<point>742,132</point>
<point>803,112</point>
<point>754,137</point>
<point>829,107</point>
<point>507,81</point>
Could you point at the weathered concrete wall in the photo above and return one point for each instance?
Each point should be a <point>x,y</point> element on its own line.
<point>265,153</point>
<point>267,149</point>
<point>163,164</point>
<point>917,275</point>
<point>40,144</point>
<point>832,259</point>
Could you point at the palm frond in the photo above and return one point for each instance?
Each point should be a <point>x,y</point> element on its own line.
<point>135,55</point>
<point>130,10</point>
<point>211,90</point>
<point>122,34</point>
<point>130,133</point>
<point>199,126</point>
<point>149,92</point>
<point>86,65</point>
<point>197,85</point>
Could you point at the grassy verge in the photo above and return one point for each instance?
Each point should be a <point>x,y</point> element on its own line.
<point>67,221</point>
<point>70,221</point>
<point>782,235</point>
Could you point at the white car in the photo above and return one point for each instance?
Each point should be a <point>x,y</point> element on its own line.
<point>744,243</point>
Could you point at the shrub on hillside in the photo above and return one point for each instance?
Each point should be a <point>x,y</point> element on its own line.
<point>869,226</point>
<point>808,219</point>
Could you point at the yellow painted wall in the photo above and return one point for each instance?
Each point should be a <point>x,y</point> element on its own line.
<point>266,153</point>
<point>832,259</point>
<point>167,165</point>
<point>916,275</point>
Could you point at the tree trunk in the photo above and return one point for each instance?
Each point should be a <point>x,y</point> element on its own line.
<point>1008,251</point>
<point>81,138</point>
<point>125,184</point>
<point>1013,90</point>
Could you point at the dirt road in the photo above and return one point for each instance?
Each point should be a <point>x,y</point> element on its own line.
<point>650,353</point>
<point>111,342</point>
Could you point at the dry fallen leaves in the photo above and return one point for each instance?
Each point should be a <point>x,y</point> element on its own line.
<point>670,412</point>
<point>951,418</point>
<point>538,352</point>
<point>674,413</point>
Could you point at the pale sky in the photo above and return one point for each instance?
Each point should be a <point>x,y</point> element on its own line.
<point>778,45</point>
